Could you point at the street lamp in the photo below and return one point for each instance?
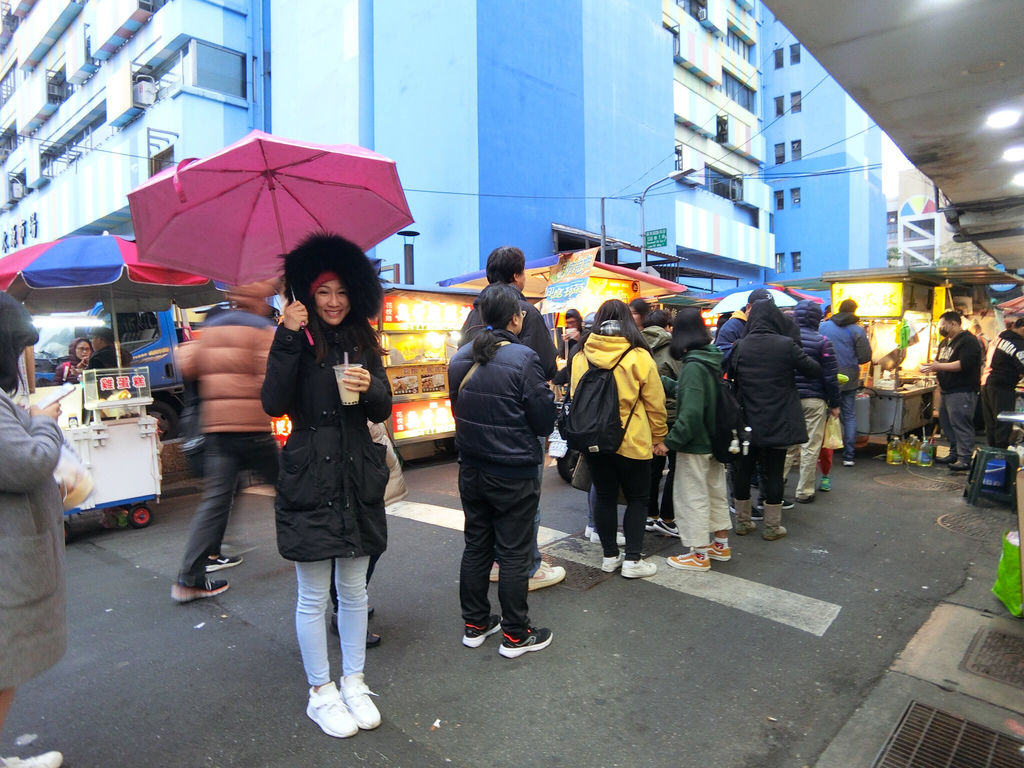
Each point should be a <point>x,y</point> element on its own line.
<point>674,176</point>
<point>408,234</point>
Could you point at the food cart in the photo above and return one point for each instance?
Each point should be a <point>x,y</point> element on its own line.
<point>105,422</point>
<point>900,308</point>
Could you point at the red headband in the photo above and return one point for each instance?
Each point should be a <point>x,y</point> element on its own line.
<point>324,277</point>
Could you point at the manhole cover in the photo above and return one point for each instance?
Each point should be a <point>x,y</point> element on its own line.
<point>927,737</point>
<point>912,482</point>
<point>578,577</point>
<point>998,656</point>
<point>974,523</point>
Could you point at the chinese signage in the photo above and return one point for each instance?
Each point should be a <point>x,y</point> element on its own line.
<point>568,280</point>
<point>402,313</point>
<point>873,299</point>
<point>19,233</point>
<point>426,417</point>
<point>108,384</point>
<point>280,428</point>
<point>656,238</point>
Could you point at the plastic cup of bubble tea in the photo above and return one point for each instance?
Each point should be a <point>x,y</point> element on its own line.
<point>348,396</point>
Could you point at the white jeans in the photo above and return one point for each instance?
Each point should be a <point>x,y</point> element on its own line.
<point>806,456</point>
<point>314,597</point>
<point>698,497</point>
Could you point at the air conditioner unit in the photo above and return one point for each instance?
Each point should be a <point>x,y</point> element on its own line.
<point>144,93</point>
<point>17,189</point>
<point>702,14</point>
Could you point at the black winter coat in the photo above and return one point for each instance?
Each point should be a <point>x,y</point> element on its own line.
<point>535,334</point>
<point>330,490</point>
<point>825,387</point>
<point>764,364</point>
<point>502,409</point>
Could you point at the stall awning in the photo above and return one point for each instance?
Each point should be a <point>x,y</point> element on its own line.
<point>960,275</point>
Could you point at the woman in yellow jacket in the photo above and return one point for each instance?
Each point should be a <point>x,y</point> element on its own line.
<point>641,392</point>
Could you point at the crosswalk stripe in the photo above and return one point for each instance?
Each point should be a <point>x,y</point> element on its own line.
<point>799,611</point>
<point>803,613</point>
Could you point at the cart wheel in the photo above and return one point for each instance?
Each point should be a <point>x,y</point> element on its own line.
<point>67,533</point>
<point>139,516</point>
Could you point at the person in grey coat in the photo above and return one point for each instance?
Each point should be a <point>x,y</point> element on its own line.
<point>33,626</point>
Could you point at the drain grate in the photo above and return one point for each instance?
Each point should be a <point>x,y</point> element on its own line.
<point>927,738</point>
<point>578,577</point>
<point>911,481</point>
<point>998,656</point>
<point>978,524</point>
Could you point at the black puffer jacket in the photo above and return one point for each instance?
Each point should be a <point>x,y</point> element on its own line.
<point>764,363</point>
<point>330,490</point>
<point>535,334</point>
<point>826,387</point>
<point>502,409</point>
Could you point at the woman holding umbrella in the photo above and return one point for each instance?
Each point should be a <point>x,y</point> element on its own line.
<point>330,491</point>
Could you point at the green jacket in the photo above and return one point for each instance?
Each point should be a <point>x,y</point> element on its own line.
<point>697,398</point>
<point>658,339</point>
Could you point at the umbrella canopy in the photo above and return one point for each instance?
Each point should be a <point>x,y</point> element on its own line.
<point>233,214</point>
<point>539,270</point>
<point>738,300</point>
<point>74,273</point>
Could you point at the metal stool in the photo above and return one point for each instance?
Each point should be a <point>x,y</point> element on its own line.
<point>976,488</point>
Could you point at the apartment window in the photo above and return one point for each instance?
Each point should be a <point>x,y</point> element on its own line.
<point>796,150</point>
<point>794,197</point>
<point>890,224</point>
<point>739,45</point>
<point>794,261</point>
<point>780,154</point>
<point>780,200</point>
<point>218,69</point>
<point>795,102</point>
<point>7,84</point>
<point>738,92</point>
<point>778,58</point>
<point>780,262</point>
<point>780,106</point>
<point>794,55</point>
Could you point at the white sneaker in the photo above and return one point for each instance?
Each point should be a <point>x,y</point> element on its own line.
<point>649,525</point>
<point>326,709</point>
<point>611,564</point>
<point>638,569</point>
<point>591,533</point>
<point>357,698</point>
<point>47,760</point>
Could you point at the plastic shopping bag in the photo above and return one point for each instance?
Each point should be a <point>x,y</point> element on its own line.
<point>1007,587</point>
<point>557,447</point>
<point>73,478</point>
<point>833,434</point>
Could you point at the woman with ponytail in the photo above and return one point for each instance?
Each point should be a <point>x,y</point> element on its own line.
<point>502,403</point>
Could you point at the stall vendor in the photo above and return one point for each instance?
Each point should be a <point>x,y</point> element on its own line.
<point>999,382</point>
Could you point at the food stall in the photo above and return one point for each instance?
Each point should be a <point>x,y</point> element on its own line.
<point>900,309</point>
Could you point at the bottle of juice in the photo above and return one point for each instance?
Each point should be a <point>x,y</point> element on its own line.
<point>926,454</point>
<point>894,451</point>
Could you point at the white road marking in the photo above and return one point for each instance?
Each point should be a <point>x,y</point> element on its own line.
<point>445,517</point>
<point>803,613</point>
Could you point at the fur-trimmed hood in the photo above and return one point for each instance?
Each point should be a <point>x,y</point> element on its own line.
<point>323,252</point>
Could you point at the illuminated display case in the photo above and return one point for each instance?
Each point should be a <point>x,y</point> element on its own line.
<point>420,331</point>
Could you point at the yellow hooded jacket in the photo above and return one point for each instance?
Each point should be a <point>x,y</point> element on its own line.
<point>636,377</point>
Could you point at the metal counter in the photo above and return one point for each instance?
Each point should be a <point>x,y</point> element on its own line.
<point>897,412</point>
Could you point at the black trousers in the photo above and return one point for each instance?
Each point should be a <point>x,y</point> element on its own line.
<point>665,510</point>
<point>225,454</point>
<point>609,472</point>
<point>993,401</point>
<point>499,525</point>
<point>772,461</point>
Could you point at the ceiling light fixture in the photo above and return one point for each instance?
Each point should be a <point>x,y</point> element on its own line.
<point>1004,118</point>
<point>1013,154</point>
<point>1019,179</point>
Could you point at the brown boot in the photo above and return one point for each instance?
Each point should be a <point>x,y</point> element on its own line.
<point>773,523</point>
<point>744,524</point>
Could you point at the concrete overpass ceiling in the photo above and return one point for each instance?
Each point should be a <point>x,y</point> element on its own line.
<point>929,72</point>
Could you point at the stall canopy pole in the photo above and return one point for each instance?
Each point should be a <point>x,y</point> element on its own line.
<point>113,327</point>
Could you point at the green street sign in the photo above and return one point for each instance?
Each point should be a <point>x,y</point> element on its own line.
<point>656,238</point>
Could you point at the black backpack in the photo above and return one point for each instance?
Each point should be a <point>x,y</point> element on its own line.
<point>590,423</point>
<point>731,434</point>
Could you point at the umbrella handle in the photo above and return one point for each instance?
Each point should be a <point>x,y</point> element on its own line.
<point>178,188</point>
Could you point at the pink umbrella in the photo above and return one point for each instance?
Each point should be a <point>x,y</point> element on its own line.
<point>233,214</point>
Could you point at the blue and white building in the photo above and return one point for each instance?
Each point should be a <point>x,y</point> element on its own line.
<point>823,166</point>
<point>526,123</point>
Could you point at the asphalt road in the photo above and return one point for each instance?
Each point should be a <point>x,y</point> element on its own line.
<point>758,664</point>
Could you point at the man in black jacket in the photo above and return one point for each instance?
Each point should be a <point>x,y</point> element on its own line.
<point>507,264</point>
<point>998,382</point>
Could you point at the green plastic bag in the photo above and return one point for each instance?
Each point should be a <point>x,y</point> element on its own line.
<point>1007,587</point>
